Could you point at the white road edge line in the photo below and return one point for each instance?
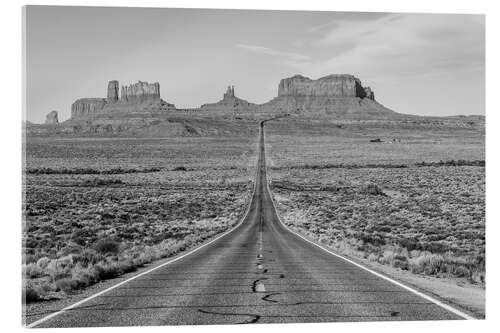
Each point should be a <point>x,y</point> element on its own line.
<point>69,307</point>
<point>399,284</point>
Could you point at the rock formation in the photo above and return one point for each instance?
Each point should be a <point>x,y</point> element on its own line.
<point>337,95</point>
<point>229,93</point>
<point>229,104</point>
<point>138,97</point>
<point>369,93</point>
<point>113,91</point>
<point>85,107</point>
<point>140,92</point>
<point>51,118</point>
<point>335,85</point>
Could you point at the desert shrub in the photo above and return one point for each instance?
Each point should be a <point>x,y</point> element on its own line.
<point>387,257</point>
<point>479,163</point>
<point>43,262</point>
<point>435,247</point>
<point>58,268</point>
<point>343,166</point>
<point>370,238</point>
<point>108,270</point>
<point>410,244</point>
<point>427,263</point>
<point>88,257</point>
<point>461,271</point>
<point>79,237</point>
<point>371,189</point>
<point>66,284</point>
<point>107,246</point>
<point>83,276</point>
<point>400,261</point>
<point>87,171</point>
<point>383,228</point>
<point>31,294</point>
<point>101,182</point>
<point>69,250</point>
<point>32,270</point>
<point>105,271</point>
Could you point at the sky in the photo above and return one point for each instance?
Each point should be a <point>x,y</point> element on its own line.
<point>424,64</point>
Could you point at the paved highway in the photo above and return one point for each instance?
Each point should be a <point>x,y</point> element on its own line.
<point>260,272</point>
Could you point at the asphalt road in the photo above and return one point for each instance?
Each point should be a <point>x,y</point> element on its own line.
<point>258,273</point>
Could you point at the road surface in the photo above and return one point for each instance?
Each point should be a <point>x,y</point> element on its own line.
<point>258,273</point>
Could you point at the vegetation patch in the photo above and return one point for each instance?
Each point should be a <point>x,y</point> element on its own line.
<point>87,171</point>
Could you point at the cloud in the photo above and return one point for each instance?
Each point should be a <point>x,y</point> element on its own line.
<point>396,45</point>
<point>290,58</point>
<point>339,17</point>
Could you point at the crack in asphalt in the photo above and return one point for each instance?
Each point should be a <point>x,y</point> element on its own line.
<point>257,317</point>
<point>266,298</point>
<point>251,321</point>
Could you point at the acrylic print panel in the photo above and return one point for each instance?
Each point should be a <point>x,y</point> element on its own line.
<point>187,166</point>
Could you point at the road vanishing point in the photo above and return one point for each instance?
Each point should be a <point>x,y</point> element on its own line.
<point>258,272</point>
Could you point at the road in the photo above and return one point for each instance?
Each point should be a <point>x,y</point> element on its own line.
<point>260,272</point>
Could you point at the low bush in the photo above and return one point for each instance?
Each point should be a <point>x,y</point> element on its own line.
<point>31,294</point>
<point>66,284</point>
<point>479,163</point>
<point>32,270</point>
<point>101,182</point>
<point>88,171</point>
<point>107,246</point>
<point>371,189</point>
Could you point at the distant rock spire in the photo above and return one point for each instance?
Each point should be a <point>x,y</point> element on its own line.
<point>113,87</point>
<point>229,92</point>
<point>51,118</point>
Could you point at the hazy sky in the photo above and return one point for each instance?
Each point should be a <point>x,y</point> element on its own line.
<point>426,64</point>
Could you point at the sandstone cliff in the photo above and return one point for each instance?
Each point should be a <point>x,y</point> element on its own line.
<point>85,107</point>
<point>336,95</point>
<point>51,118</point>
<point>140,92</point>
<point>335,85</point>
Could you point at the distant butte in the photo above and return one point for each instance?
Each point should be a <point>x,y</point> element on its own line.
<point>137,97</point>
<point>336,95</point>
